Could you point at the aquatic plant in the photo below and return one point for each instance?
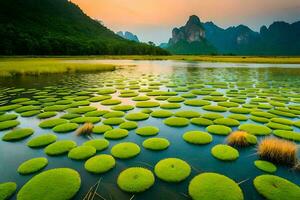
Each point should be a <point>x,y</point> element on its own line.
<point>33,165</point>
<point>289,135</point>
<point>212,116</point>
<point>147,131</point>
<point>274,125</point>
<point>128,125</point>
<point>113,121</point>
<point>7,190</point>
<point>7,117</point>
<point>278,151</point>
<point>125,150</point>
<point>100,164</point>
<point>219,129</point>
<point>135,180</point>
<point>227,122</point>
<point>114,114</point>
<point>8,124</point>
<point>100,129</point>
<point>82,120</point>
<point>255,129</point>
<point>260,119</point>
<point>187,114</point>
<point>82,152</point>
<point>215,108</point>
<point>45,115</point>
<point>42,140</point>
<point>276,188</point>
<point>239,117</point>
<point>116,134</point>
<point>18,134</point>
<point>156,144</point>
<point>197,137</point>
<point>60,147</point>
<point>63,183</point>
<point>201,121</point>
<point>207,186</point>
<point>265,166</point>
<point>65,128</point>
<point>161,114</point>
<point>177,121</point>
<point>224,152</point>
<point>147,104</point>
<point>50,123</point>
<point>170,106</point>
<point>98,144</point>
<point>241,139</point>
<point>172,170</point>
<point>137,116</point>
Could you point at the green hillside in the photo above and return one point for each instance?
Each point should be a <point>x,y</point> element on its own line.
<point>59,27</point>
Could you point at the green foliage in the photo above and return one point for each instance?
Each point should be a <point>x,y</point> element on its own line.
<point>255,129</point>
<point>276,188</point>
<point>128,125</point>
<point>8,124</point>
<point>219,129</point>
<point>274,125</point>
<point>156,144</point>
<point>289,135</point>
<point>196,102</point>
<point>172,170</point>
<point>197,137</point>
<point>82,120</point>
<point>100,164</point>
<point>7,117</point>
<point>42,140</point>
<point>161,114</point>
<point>213,186</point>
<point>65,128</point>
<point>135,180</point>
<point>116,134</point>
<point>113,121</point>
<point>125,150</point>
<point>147,131</point>
<point>60,147</point>
<point>170,106</point>
<point>265,166</point>
<point>224,152</point>
<point>18,134</point>
<point>7,190</point>
<point>50,123</point>
<point>176,121</point>
<point>227,122</point>
<point>147,104</point>
<point>62,182</point>
<point>81,152</point>
<point>33,165</point>
<point>101,129</point>
<point>137,116</point>
<point>187,114</point>
<point>98,144</point>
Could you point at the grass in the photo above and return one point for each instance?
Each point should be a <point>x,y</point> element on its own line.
<point>172,170</point>
<point>37,66</point>
<point>63,183</point>
<point>278,151</point>
<point>7,190</point>
<point>135,180</point>
<point>213,186</point>
<point>241,139</point>
<point>86,129</point>
<point>33,165</point>
<point>100,164</point>
<point>276,188</point>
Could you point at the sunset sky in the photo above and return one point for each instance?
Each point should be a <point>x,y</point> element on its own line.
<point>153,20</point>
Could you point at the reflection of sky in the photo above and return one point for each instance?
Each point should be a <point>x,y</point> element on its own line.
<point>154,19</point>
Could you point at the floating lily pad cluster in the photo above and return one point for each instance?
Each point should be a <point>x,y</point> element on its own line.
<point>204,111</point>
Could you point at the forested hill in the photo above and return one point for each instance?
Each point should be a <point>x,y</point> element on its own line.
<point>58,27</point>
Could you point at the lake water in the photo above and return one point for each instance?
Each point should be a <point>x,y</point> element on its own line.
<point>284,80</point>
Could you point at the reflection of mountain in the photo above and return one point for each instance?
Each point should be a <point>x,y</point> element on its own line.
<point>58,27</point>
<point>279,39</point>
<point>128,36</point>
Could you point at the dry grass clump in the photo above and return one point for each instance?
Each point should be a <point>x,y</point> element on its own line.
<point>86,129</point>
<point>241,139</point>
<point>278,151</point>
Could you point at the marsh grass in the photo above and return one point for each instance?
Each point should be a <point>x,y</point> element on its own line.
<point>86,129</point>
<point>278,151</point>
<point>240,139</point>
<point>37,66</point>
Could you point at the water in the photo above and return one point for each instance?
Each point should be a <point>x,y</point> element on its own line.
<point>284,79</point>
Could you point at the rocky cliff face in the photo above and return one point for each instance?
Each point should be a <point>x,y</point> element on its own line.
<point>190,39</point>
<point>193,31</point>
<point>128,35</point>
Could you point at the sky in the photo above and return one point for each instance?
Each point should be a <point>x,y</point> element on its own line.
<point>153,20</point>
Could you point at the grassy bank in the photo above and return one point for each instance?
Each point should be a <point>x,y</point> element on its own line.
<point>37,66</point>
<point>234,59</point>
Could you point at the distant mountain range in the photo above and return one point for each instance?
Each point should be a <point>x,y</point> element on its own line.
<point>196,37</point>
<point>128,36</point>
<point>59,27</point>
